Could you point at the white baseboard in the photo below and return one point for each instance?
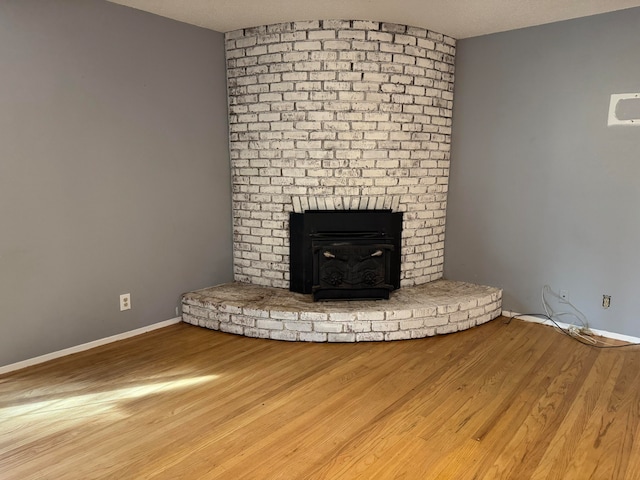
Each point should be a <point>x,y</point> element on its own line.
<point>86,346</point>
<point>565,326</point>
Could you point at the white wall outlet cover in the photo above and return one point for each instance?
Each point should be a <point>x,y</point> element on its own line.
<point>125,301</point>
<point>624,109</point>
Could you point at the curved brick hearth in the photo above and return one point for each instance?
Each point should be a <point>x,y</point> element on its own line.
<point>420,311</point>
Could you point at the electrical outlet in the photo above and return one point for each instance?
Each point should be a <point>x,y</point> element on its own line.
<point>125,301</point>
<point>564,294</point>
<point>606,301</point>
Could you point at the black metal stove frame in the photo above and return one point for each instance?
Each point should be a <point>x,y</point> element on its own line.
<point>345,254</point>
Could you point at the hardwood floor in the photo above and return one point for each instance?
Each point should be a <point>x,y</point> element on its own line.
<point>516,401</point>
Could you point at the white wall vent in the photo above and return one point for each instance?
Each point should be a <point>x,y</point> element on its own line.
<point>624,109</point>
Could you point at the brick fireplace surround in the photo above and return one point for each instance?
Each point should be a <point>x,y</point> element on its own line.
<point>338,115</point>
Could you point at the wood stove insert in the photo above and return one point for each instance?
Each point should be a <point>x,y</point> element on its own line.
<point>345,254</point>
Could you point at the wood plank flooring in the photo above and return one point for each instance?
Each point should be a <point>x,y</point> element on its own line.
<point>499,401</point>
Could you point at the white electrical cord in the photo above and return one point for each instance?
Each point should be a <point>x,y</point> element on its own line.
<point>556,315</point>
<point>582,331</point>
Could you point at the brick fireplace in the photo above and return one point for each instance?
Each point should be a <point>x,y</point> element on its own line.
<point>328,116</point>
<point>332,115</point>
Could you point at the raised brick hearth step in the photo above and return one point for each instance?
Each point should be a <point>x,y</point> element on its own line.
<point>439,307</point>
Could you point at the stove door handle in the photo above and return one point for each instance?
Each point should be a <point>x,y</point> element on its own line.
<point>377,253</point>
<point>328,254</point>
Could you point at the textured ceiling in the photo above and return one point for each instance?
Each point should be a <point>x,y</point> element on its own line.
<point>456,18</point>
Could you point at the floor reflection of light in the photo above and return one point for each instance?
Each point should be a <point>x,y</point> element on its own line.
<point>92,404</point>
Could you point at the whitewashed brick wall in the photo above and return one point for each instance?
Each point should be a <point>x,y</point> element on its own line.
<point>338,115</point>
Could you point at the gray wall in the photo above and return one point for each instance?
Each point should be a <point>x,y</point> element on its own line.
<point>541,190</point>
<point>114,170</point>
